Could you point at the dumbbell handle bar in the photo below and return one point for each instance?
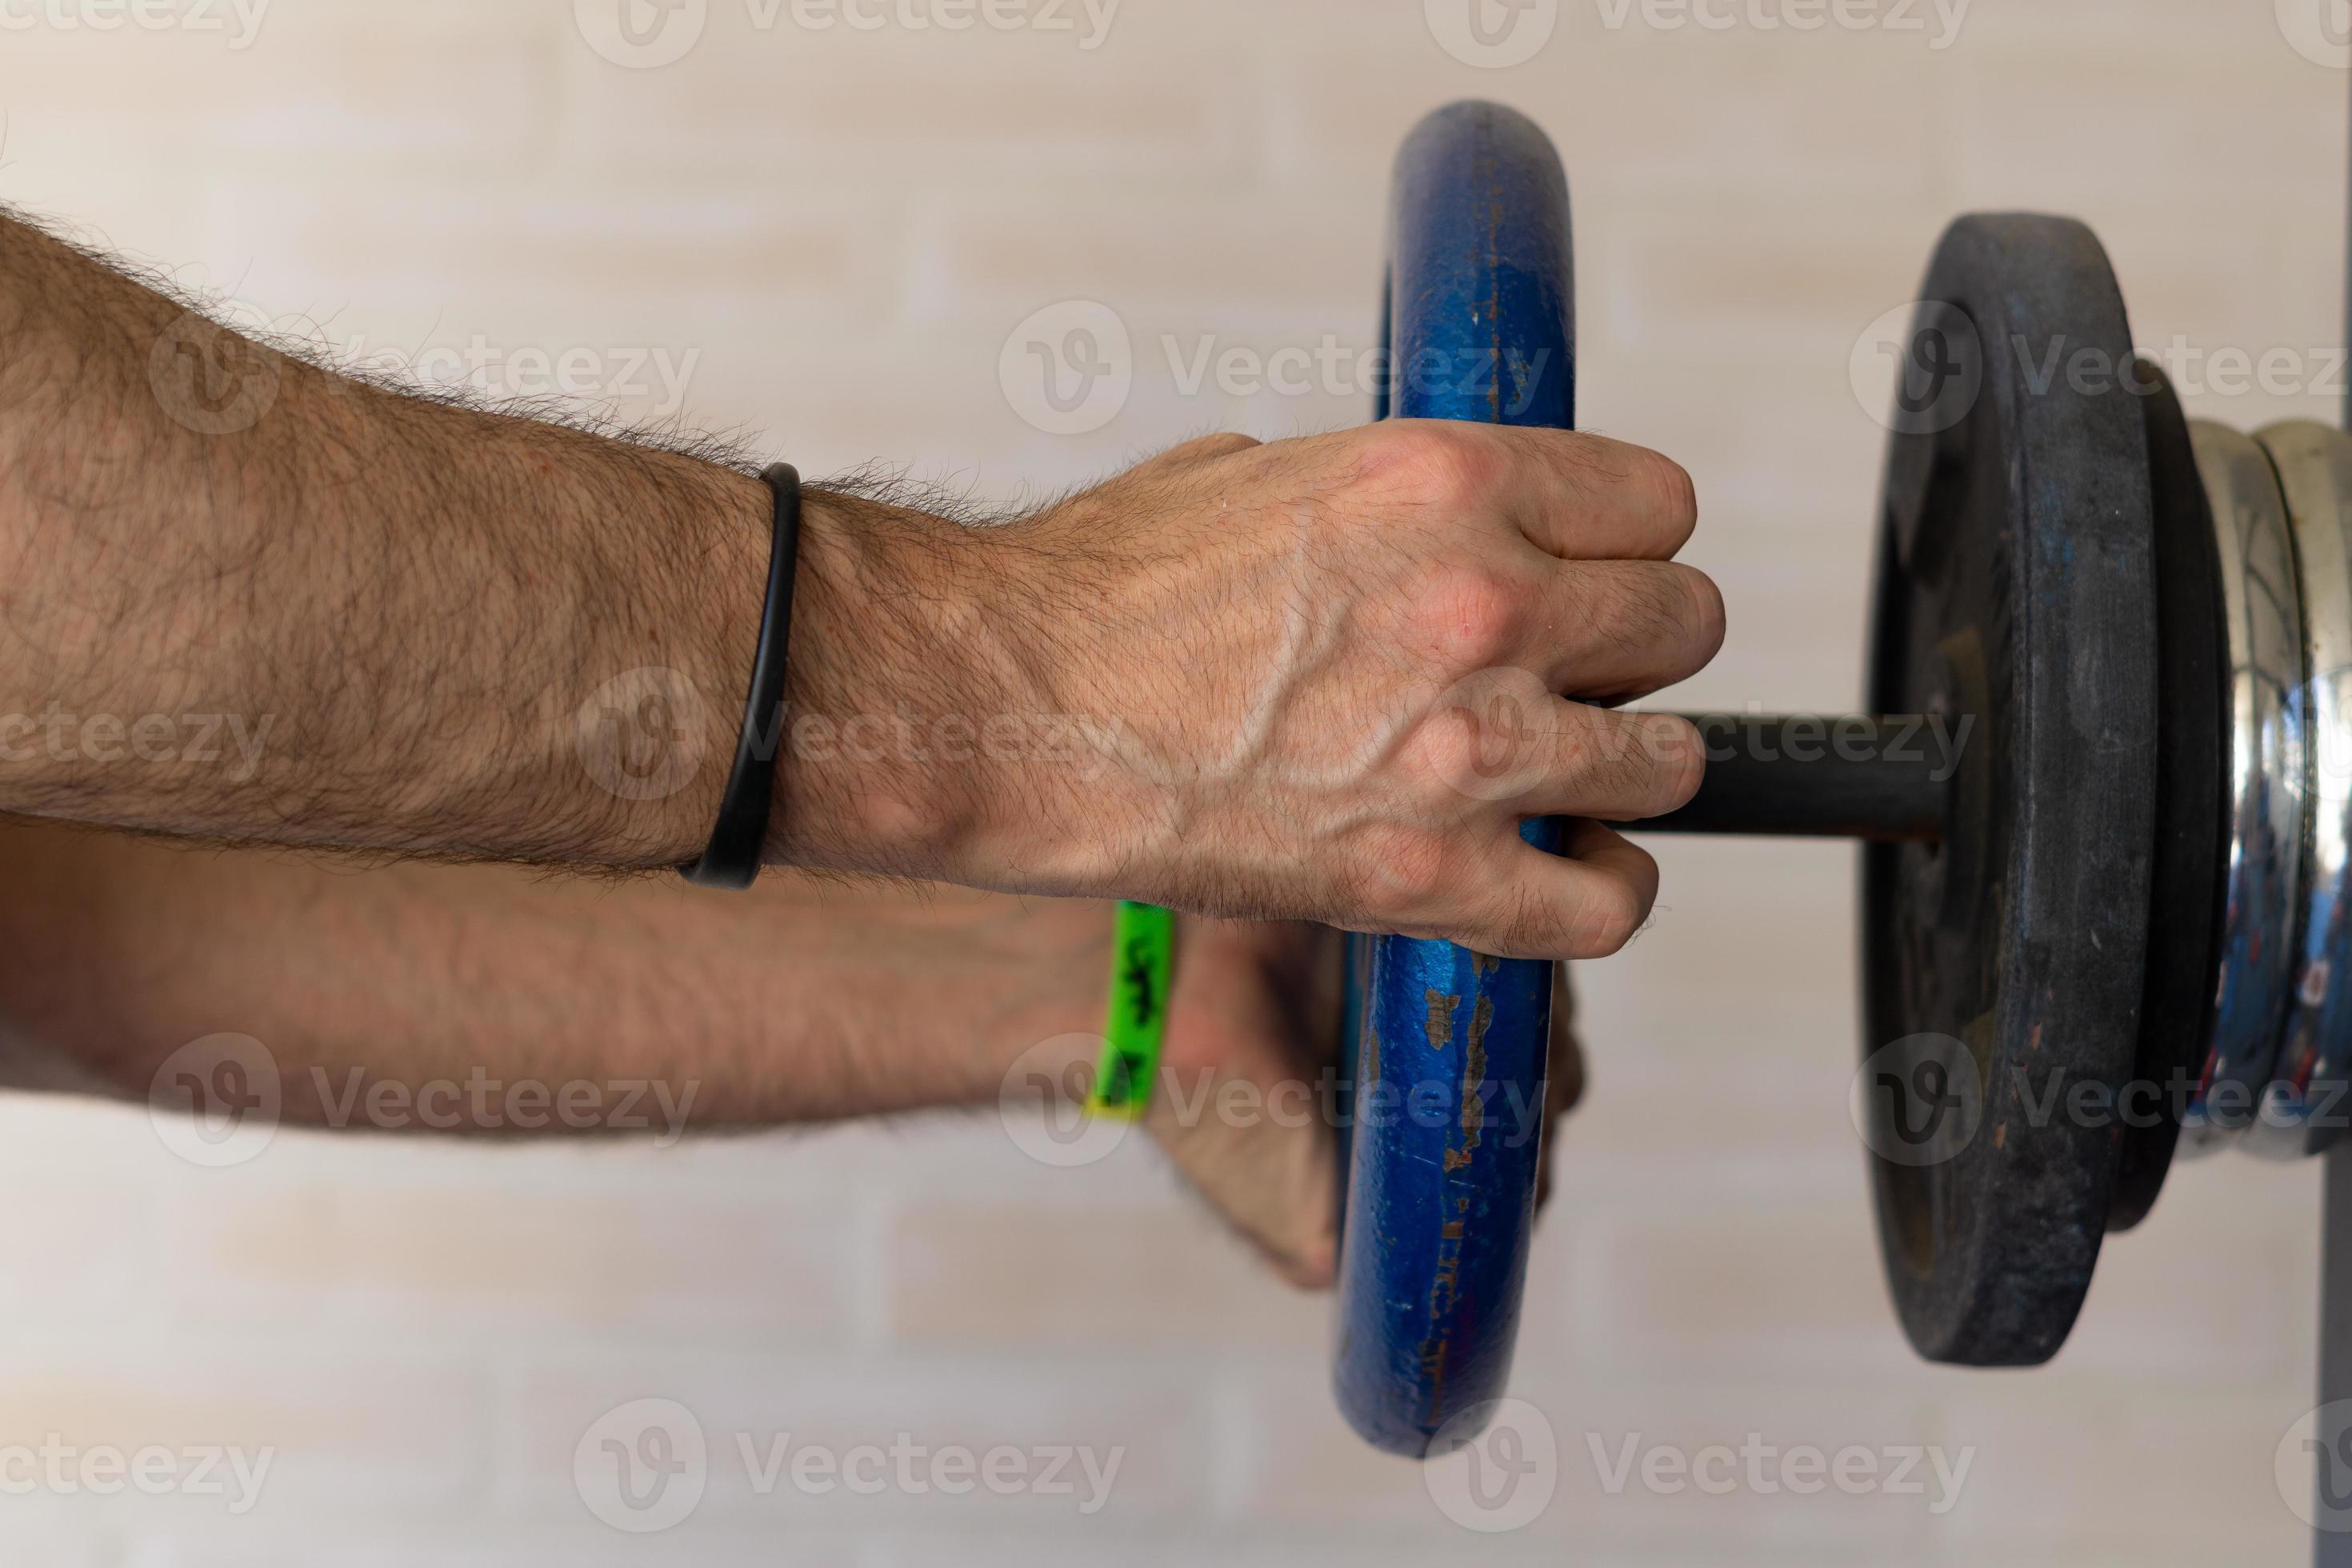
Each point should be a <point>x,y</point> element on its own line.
<point>1882,781</point>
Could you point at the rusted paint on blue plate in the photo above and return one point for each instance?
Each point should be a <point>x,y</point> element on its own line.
<point>1449,1047</point>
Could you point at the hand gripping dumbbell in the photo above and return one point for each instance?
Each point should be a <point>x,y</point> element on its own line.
<point>2119,923</point>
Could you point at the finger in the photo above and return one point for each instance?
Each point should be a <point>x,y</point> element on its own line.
<point>1587,498</point>
<point>1256,1012</point>
<point>1616,767</point>
<point>1586,903</point>
<point>1501,737</point>
<point>1613,630</point>
<point>1274,1183</point>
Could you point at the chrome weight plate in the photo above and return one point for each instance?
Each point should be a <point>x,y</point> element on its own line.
<point>2304,1110</point>
<point>2263,615</point>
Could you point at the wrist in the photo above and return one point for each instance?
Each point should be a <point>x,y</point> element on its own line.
<point>1056,1003</point>
<point>995,990</point>
<point>916,722</point>
<point>669,665</point>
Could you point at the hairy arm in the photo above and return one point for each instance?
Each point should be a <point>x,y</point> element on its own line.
<point>802,1001</point>
<point>243,597</point>
<point>383,996</point>
<point>343,615</point>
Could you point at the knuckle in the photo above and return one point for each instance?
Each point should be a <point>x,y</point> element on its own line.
<point>1523,932</point>
<point>1594,921</point>
<point>1470,615</point>
<point>1451,743</point>
<point>1668,611</point>
<point>1679,756</point>
<point>1703,609</point>
<point>1435,462</point>
<point>1674,492</point>
<point>1607,919</point>
<point>1647,764</point>
<point>1597,751</point>
<point>1487,737</point>
<point>1407,871</point>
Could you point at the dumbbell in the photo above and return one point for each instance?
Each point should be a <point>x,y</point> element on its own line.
<point>2115,922</point>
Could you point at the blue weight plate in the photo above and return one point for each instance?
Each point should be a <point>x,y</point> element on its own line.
<point>1450,1045</point>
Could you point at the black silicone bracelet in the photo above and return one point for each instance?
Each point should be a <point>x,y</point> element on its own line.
<point>732,860</point>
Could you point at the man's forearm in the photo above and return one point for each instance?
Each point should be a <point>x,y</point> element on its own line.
<point>805,1001</point>
<point>394,617</point>
<point>484,999</point>
<point>1326,680</point>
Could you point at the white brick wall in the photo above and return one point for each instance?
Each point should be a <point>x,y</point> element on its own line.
<point>832,233</point>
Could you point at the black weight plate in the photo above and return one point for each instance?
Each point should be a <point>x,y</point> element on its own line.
<point>2002,968</point>
<point>2188,873</point>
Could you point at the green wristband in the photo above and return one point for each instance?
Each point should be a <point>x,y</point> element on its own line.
<point>1142,959</point>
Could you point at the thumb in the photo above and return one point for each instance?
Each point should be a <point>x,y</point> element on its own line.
<point>1243,1103</point>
